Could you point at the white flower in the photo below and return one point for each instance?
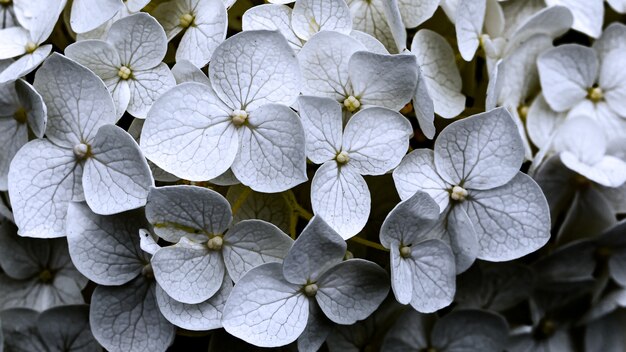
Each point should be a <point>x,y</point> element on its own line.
<point>372,143</point>
<point>380,19</point>
<point>129,62</point>
<point>204,23</point>
<point>36,20</point>
<point>84,156</point>
<point>275,304</point>
<point>423,271</point>
<point>300,24</point>
<point>481,155</point>
<point>588,15</point>
<point>37,274</point>
<point>587,81</point>
<point>197,132</point>
<point>21,109</point>
<point>588,156</point>
<point>337,66</point>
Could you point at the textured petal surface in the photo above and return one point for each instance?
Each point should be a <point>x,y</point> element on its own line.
<point>176,211</point>
<point>254,68</point>
<point>117,177</point>
<point>140,41</point>
<point>383,80</point>
<point>470,17</point>
<point>106,249</point>
<point>376,139</point>
<point>568,71</point>
<point>510,221</point>
<point>317,249</point>
<point>312,16</point>
<point>43,178</point>
<point>437,62</point>
<point>264,309</point>
<point>340,195</point>
<point>251,243</point>
<point>480,152</point>
<point>78,101</point>
<point>271,157</point>
<point>417,172</point>
<point>200,41</point>
<point>322,122</point>
<point>196,317</point>
<point>188,272</point>
<point>146,87</point>
<point>188,132</point>
<point>89,14</point>
<point>352,290</point>
<point>127,318</point>
<point>470,329</point>
<point>272,17</point>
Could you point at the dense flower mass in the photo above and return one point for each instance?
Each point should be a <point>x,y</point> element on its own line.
<point>312,175</point>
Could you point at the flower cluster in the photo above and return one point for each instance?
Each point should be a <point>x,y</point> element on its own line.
<point>343,175</point>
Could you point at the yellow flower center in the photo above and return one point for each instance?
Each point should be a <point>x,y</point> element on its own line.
<point>82,151</point>
<point>186,20</point>
<point>21,115</point>
<point>352,104</point>
<point>240,117</point>
<point>124,72</point>
<point>405,251</point>
<point>458,193</point>
<point>595,94</point>
<point>45,276</point>
<point>342,158</point>
<point>215,243</point>
<point>310,290</point>
<point>31,47</point>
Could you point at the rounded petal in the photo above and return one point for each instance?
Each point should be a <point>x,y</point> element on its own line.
<point>437,62</point>
<point>189,272</point>
<point>188,132</point>
<point>146,87</point>
<point>140,41</point>
<point>176,211</point>
<point>78,101</point>
<point>352,290</point>
<point>376,139</point>
<point>324,61</point>
<point>470,17</point>
<point>312,16</point>
<point>254,68</point>
<point>341,197</point>
<point>417,172</point>
<point>116,177</point>
<point>265,310</point>
<point>480,152</point>
<point>383,80</point>
<point>25,64</point>
<point>566,72</point>
<point>200,41</point>
<point>271,157</point>
<point>127,318</point>
<point>42,180</point>
<point>322,122</point>
<point>510,221</point>
<point>272,17</point>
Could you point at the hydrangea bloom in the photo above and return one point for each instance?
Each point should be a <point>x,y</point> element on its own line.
<point>338,191</point>
<point>312,281</point>
<point>241,122</point>
<point>129,62</point>
<point>474,176</point>
<point>81,157</point>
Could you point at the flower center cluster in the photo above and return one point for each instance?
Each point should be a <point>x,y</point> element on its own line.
<point>124,72</point>
<point>20,115</point>
<point>215,243</point>
<point>405,251</point>
<point>352,104</point>
<point>186,20</point>
<point>342,157</point>
<point>31,47</point>
<point>82,151</point>
<point>240,117</point>
<point>522,110</point>
<point>310,289</point>
<point>45,276</point>
<point>458,193</point>
<point>595,94</point>
<point>5,2</point>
